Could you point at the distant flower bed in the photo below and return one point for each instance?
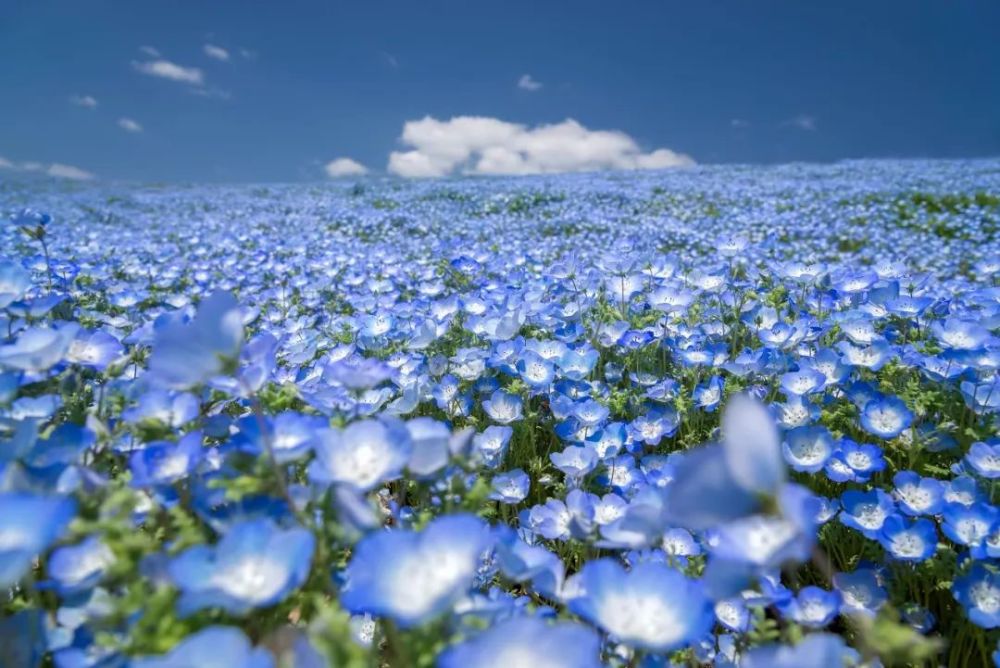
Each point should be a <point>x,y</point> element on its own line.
<point>736,416</point>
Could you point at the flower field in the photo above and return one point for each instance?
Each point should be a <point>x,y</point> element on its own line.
<point>722,416</point>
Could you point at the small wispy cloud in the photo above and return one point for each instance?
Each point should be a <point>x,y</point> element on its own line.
<point>62,171</point>
<point>150,51</point>
<point>526,82</point>
<point>344,167</point>
<point>389,59</point>
<point>129,125</point>
<point>165,69</point>
<point>85,101</point>
<point>56,169</point>
<point>802,122</point>
<point>739,123</point>
<point>216,52</point>
<point>211,93</point>
<point>248,54</point>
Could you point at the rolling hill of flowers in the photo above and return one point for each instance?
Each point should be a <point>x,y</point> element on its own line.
<point>724,416</point>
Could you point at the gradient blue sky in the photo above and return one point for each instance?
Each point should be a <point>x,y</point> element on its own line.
<point>309,81</point>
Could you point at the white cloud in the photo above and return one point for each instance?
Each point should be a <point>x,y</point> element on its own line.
<point>150,51</point>
<point>212,93</point>
<point>217,52</point>
<point>483,145</point>
<point>129,125</point>
<point>56,169</point>
<point>168,70</point>
<point>527,83</point>
<point>248,54</point>
<point>68,172</point>
<point>802,122</point>
<point>389,59</point>
<point>344,167</point>
<point>87,101</point>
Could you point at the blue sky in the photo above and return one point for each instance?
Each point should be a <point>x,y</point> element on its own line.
<point>240,90</point>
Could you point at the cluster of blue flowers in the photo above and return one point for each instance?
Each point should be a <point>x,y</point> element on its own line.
<point>721,417</point>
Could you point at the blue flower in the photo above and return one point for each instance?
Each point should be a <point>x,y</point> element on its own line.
<point>653,427</point>
<point>984,458</point>
<point>807,449</point>
<point>14,282</point>
<point>189,354</point>
<point>291,435</point>
<point>677,543</point>
<point>960,334</point>
<point>704,493</point>
<point>864,459</point>
<point>813,607</point>
<point>535,370</point>
<point>522,562</point>
<point>969,525</point>
<point>828,363</point>
<point>636,339</point>
<point>29,524</point>
<point>376,327</point>
<point>982,396</point>
<point>872,357</point>
<point>803,382</point>
<point>751,446</point>
<point>255,366</point>
<point>431,446</point>
<point>30,218</point>
<point>575,461</point>
<point>413,577</point>
<point>38,348</point>
<point>551,520</point>
<point>78,568</point>
<point>916,495</point>
<point>256,564</point>
<point>364,454</point>
<point>65,445</point>
<point>173,409</point>
<point>866,511</point>
<point>770,541</point>
<point>979,593</point>
<point>212,647</point>
<point>708,395</point>
<point>610,440</point>
<point>861,591</point>
<point>358,373</point>
<point>490,445</point>
<point>590,413</point>
<point>527,641</point>
<point>577,364</point>
<point>95,350</point>
<point>817,650</point>
<point>733,613</point>
<point>909,540</point>
<point>510,487</point>
<point>886,417</point>
<point>650,607</point>
<point>503,407</point>
<point>963,490</point>
<point>164,463</point>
